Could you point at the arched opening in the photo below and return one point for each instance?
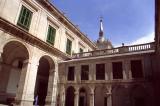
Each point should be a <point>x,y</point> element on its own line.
<point>82,97</point>
<point>120,96</point>
<point>13,56</point>
<point>42,81</point>
<point>140,96</point>
<point>100,96</point>
<point>70,96</point>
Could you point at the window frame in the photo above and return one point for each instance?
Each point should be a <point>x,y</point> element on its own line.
<point>69,76</point>
<point>70,47</point>
<point>99,75</point>
<point>83,70</point>
<point>50,35</point>
<point>22,24</point>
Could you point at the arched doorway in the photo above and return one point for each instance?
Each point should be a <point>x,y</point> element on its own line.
<point>82,97</point>
<point>43,80</point>
<point>100,96</point>
<point>13,56</point>
<point>70,96</point>
<point>140,96</point>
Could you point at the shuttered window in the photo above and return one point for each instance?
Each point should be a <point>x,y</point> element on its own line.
<point>51,35</point>
<point>25,18</point>
<point>69,47</point>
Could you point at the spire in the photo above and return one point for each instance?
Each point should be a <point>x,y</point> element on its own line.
<point>101,28</point>
<point>101,36</point>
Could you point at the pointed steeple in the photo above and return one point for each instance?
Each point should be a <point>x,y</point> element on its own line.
<point>101,28</point>
<point>101,36</point>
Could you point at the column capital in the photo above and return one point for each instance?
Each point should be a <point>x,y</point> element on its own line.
<point>92,88</point>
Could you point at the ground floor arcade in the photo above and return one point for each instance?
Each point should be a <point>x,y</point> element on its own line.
<point>26,72</point>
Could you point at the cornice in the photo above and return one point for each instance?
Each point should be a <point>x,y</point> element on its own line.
<point>18,32</point>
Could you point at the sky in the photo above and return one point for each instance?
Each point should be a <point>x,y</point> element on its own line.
<point>124,21</point>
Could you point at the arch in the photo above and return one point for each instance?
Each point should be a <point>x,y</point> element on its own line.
<point>140,96</point>
<point>44,81</point>
<point>3,44</point>
<point>70,96</point>
<point>100,93</point>
<point>120,95</point>
<point>83,97</point>
<point>13,56</point>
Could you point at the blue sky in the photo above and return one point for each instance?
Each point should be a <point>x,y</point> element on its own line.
<point>127,21</point>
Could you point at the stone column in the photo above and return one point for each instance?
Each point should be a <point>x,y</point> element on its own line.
<point>91,99</point>
<point>25,92</point>
<point>50,87</point>
<point>76,97</point>
<point>109,95</point>
<point>109,100</point>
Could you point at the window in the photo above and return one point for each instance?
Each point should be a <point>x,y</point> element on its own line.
<point>69,47</point>
<point>136,68</point>
<point>84,72</point>
<point>100,71</point>
<point>71,73</point>
<point>117,70</point>
<point>25,18</point>
<point>51,35</point>
<point>81,50</point>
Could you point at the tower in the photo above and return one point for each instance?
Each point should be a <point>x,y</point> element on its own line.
<point>102,43</point>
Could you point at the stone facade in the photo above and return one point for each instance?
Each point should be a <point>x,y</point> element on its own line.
<point>35,71</point>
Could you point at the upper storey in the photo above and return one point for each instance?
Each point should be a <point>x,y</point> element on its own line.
<point>41,19</point>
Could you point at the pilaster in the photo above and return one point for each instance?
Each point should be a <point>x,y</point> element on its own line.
<point>124,71</point>
<point>106,72</point>
<point>77,73</point>
<point>25,92</point>
<point>109,71</point>
<point>127,68</point>
<point>49,97</point>
<point>91,72</point>
<point>62,95</point>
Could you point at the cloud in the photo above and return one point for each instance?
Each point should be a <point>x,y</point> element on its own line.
<point>145,39</point>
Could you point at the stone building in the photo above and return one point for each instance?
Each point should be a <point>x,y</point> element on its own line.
<point>46,60</point>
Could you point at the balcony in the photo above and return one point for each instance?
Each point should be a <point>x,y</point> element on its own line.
<point>145,48</point>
